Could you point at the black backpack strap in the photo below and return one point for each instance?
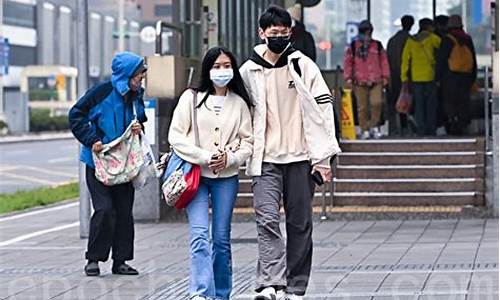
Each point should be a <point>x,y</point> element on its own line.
<point>379,47</point>
<point>296,67</point>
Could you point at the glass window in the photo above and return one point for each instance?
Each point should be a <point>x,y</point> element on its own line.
<point>21,55</point>
<point>18,14</point>
<point>163,10</point>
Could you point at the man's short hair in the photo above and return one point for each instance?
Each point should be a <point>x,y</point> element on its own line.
<point>407,22</point>
<point>274,16</point>
<point>441,20</point>
<point>425,23</point>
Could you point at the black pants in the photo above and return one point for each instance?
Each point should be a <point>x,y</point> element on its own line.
<point>112,224</point>
<point>456,90</point>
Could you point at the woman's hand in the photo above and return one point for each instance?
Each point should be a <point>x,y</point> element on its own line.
<point>136,128</point>
<point>325,172</point>
<point>218,162</point>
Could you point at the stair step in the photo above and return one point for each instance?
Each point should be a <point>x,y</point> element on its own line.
<point>409,145</point>
<point>409,171</point>
<point>408,199</point>
<point>409,158</point>
<point>409,185</point>
<point>246,199</point>
<point>245,186</point>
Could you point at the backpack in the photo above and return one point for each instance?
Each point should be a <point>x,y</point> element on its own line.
<point>461,59</point>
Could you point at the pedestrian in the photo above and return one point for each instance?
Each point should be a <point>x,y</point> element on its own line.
<point>302,39</point>
<point>99,117</point>
<point>441,29</point>
<point>394,53</point>
<point>294,138</point>
<point>225,142</point>
<point>419,63</point>
<point>456,71</point>
<point>366,69</point>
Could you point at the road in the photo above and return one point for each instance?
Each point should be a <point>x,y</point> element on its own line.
<point>29,165</point>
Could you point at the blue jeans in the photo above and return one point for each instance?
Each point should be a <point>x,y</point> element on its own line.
<point>211,267</point>
<point>426,107</point>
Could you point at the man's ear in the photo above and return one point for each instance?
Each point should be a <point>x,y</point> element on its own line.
<point>262,36</point>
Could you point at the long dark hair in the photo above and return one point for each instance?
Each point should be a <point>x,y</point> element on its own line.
<point>206,85</point>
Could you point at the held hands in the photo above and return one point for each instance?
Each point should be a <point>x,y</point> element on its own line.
<point>97,147</point>
<point>136,128</point>
<point>218,162</point>
<point>326,173</point>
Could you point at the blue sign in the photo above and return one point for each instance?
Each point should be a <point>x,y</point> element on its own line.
<point>4,56</point>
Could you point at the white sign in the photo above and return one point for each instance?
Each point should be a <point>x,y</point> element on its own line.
<point>148,34</point>
<point>351,31</point>
<point>149,126</point>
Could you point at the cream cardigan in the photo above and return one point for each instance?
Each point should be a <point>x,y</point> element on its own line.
<point>232,126</point>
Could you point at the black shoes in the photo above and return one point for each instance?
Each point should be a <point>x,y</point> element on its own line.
<point>92,269</point>
<point>123,269</point>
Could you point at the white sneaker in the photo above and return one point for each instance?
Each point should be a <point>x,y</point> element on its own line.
<point>289,296</point>
<point>199,298</point>
<point>365,135</point>
<point>280,295</point>
<point>376,133</point>
<point>269,293</point>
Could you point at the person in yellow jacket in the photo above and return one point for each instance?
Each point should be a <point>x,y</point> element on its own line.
<point>418,68</point>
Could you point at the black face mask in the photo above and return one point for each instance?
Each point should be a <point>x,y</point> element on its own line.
<point>278,44</point>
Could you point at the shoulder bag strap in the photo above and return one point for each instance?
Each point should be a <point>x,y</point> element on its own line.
<point>195,119</point>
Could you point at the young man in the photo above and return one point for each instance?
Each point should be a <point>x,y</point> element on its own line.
<point>394,53</point>
<point>418,64</point>
<point>294,137</point>
<point>367,70</point>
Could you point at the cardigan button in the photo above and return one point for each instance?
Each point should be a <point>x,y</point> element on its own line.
<point>216,144</point>
<point>216,128</point>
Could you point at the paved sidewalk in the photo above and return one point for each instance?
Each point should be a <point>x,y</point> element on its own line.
<point>41,257</point>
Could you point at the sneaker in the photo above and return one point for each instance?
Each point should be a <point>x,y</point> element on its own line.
<point>199,297</point>
<point>290,296</point>
<point>280,295</point>
<point>92,268</point>
<point>375,132</point>
<point>268,293</point>
<point>365,135</point>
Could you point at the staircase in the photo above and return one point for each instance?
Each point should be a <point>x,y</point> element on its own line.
<point>419,172</point>
<point>410,173</point>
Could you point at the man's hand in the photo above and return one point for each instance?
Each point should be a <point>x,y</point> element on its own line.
<point>348,85</point>
<point>218,162</point>
<point>325,172</point>
<point>385,81</point>
<point>136,128</point>
<point>97,147</point>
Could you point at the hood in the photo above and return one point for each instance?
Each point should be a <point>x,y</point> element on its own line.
<point>422,35</point>
<point>258,52</point>
<point>124,66</point>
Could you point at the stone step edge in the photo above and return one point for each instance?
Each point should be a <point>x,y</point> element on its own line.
<point>411,141</point>
<point>388,194</point>
<point>372,209</point>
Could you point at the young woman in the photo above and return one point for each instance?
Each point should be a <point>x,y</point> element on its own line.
<point>225,134</point>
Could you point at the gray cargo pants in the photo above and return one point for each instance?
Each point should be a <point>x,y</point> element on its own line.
<point>278,266</point>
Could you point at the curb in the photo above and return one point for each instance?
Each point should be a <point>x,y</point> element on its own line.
<point>36,137</point>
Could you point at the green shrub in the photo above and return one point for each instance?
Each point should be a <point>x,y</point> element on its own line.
<point>41,120</point>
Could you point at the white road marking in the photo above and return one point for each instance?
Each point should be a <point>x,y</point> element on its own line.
<point>61,159</point>
<point>30,179</point>
<point>38,233</point>
<point>40,211</point>
<point>51,172</point>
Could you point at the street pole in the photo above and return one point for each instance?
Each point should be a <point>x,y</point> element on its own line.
<point>121,29</point>
<point>464,14</point>
<point>82,64</point>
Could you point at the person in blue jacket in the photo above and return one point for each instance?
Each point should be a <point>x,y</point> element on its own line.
<point>100,116</point>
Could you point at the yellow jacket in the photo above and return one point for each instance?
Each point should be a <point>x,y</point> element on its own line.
<point>419,57</point>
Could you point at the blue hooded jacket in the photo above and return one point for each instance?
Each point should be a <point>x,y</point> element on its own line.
<point>102,113</point>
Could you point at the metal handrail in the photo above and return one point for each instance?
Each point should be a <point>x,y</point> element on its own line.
<point>160,25</point>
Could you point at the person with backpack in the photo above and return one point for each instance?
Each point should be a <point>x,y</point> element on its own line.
<point>294,132</point>
<point>418,70</point>
<point>366,68</point>
<point>100,116</point>
<point>456,71</point>
<point>224,125</point>
<point>302,39</point>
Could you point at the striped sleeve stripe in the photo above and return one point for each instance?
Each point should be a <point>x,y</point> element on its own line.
<point>325,98</point>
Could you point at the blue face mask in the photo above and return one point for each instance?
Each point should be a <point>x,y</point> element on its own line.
<point>221,77</point>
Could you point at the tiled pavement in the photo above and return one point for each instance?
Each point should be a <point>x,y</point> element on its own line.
<point>41,257</point>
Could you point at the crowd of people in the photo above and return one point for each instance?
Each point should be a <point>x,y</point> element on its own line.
<point>275,113</point>
<point>437,65</point>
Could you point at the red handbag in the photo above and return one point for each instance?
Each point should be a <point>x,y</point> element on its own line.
<point>192,183</point>
<point>404,105</point>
